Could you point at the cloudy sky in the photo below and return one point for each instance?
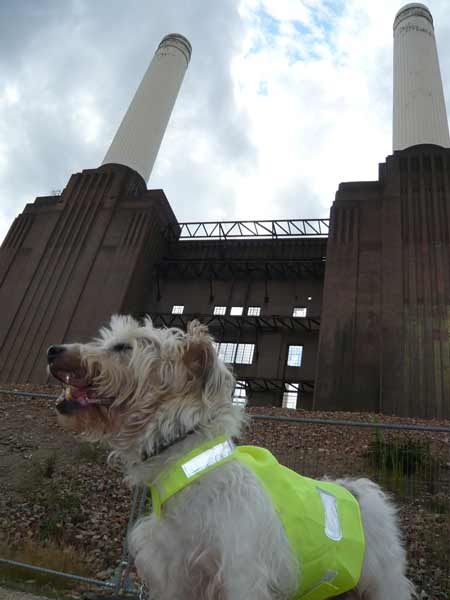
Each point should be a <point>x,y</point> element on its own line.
<point>283,99</point>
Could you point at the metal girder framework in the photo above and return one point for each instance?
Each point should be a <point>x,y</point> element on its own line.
<point>225,230</point>
<point>243,323</point>
<point>263,268</point>
<point>260,384</point>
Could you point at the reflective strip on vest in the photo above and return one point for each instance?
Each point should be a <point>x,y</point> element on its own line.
<point>332,524</point>
<point>188,468</point>
<point>322,520</point>
<point>208,458</point>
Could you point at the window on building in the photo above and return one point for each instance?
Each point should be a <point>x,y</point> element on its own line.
<point>240,393</point>
<point>299,312</point>
<point>254,311</point>
<point>295,356</point>
<point>177,310</point>
<point>236,311</point>
<point>220,310</point>
<point>227,351</point>
<point>244,354</point>
<point>290,396</point>
<point>230,352</point>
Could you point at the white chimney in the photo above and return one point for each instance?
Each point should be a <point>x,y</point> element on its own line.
<point>140,134</point>
<point>419,106</point>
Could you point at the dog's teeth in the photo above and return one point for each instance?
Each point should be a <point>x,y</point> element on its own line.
<point>68,389</point>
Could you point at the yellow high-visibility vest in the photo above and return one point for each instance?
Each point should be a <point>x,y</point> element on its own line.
<point>322,520</point>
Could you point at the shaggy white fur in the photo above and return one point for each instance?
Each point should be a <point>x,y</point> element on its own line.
<point>154,395</point>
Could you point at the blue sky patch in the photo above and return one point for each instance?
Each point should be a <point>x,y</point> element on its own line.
<point>269,23</point>
<point>263,89</point>
<point>322,32</point>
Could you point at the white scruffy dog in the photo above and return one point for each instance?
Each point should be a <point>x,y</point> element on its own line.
<point>156,394</point>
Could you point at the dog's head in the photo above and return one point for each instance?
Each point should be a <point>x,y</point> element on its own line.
<point>139,386</point>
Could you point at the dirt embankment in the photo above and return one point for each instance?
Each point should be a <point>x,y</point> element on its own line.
<point>59,496</point>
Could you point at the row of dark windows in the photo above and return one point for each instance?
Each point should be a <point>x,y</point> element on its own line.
<point>290,395</point>
<point>238,311</point>
<point>242,354</point>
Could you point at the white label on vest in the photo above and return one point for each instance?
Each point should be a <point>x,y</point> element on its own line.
<point>208,458</point>
<point>333,528</point>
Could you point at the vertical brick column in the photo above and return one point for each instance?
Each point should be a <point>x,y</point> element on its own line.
<point>384,338</point>
<point>69,262</point>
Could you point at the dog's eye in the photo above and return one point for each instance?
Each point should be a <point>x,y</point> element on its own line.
<point>121,348</point>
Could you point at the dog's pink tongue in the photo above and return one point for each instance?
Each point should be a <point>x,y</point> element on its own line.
<point>82,395</point>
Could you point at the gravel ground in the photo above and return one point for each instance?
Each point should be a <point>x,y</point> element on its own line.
<point>57,488</point>
<point>6,594</point>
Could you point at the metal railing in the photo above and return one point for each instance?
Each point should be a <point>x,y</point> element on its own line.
<point>266,323</point>
<point>121,582</point>
<point>225,230</point>
<point>411,461</point>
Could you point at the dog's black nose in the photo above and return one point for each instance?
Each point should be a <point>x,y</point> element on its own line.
<point>53,352</point>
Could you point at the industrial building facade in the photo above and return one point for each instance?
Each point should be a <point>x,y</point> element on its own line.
<point>356,320</point>
<point>261,299</point>
<point>350,313</point>
<point>107,245</point>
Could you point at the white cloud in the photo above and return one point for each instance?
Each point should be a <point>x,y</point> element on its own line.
<point>312,124</point>
<point>10,95</point>
<point>282,101</point>
<point>87,118</point>
<point>5,224</point>
<point>3,158</point>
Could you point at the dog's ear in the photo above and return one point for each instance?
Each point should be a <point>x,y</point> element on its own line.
<point>197,329</point>
<point>147,322</point>
<point>199,354</point>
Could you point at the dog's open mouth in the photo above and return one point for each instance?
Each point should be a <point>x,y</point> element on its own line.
<point>78,392</point>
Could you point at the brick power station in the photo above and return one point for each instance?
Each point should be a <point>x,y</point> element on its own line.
<point>350,313</point>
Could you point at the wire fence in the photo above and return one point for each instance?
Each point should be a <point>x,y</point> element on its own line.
<point>411,461</point>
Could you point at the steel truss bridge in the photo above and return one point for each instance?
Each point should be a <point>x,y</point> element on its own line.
<point>239,323</point>
<point>230,268</point>
<point>226,230</point>
<point>260,384</point>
